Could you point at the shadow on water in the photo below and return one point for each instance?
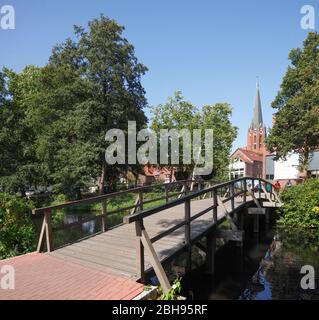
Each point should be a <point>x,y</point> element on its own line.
<point>267,267</point>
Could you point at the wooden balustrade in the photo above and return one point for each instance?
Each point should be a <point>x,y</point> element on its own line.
<point>47,229</point>
<point>174,194</point>
<point>214,192</point>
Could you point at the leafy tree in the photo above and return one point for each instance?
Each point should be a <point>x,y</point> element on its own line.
<point>296,127</point>
<point>3,91</point>
<point>60,145</point>
<point>104,58</point>
<point>179,114</point>
<point>176,114</point>
<point>217,117</point>
<point>18,168</point>
<point>37,131</point>
<point>54,123</point>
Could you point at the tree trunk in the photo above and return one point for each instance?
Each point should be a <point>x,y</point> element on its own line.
<point>102,179</point>
<point>78,194</point>
<point>192,177</point>
<point>171,174</point>
<point>305,159</point>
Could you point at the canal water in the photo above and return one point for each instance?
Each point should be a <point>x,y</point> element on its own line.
<point>267,267</point>
<point>65,236</point>
<point>69,235</point>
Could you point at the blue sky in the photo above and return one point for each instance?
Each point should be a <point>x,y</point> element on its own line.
<point>210,50</point>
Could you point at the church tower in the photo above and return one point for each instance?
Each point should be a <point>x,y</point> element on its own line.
<point>256,139</point>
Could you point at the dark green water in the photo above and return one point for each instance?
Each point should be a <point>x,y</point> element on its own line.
<point>69,235</point>
<point>264,269</point>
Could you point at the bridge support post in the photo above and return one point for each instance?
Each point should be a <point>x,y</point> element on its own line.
<point>267,216</point>
<point>46,233</point>
<point>256,223</point>
<point>187,209</point>
<point>48,222</point>
<point>210,251</point>
<point>259,189</point>
<point>231,193</point>
<point>241,219</point>
<point>140,200</point>
<point>185,188</point>
<point>215,203</point>
<point>166,193</point>
<point>104,216</point>
<point>140,263</point>
<point>271,192</point>
<point>240,224</point>
<point>245,190</point>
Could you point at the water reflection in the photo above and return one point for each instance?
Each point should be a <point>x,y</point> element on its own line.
<point>259,287</point>
<point>267,267</point>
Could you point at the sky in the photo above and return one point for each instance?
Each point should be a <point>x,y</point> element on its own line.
<point>210,50</point>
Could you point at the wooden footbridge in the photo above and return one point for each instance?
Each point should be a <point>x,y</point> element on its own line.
<point>148,238</point>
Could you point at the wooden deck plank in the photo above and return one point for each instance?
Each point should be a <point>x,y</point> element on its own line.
<point>93,265</point>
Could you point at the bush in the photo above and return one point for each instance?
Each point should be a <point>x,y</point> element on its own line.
<point>301,206</point>
<point>17,232</point>
<point>173,293</point>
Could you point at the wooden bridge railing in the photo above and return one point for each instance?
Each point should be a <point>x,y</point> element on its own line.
<point>220,194</point>
<point>168,190</point>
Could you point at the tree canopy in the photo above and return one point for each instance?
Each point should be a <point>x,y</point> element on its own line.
<point>54,119</point>
<point>296,125</point>
<point>177,113</point>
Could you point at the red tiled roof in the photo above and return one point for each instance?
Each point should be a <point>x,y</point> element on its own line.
<point>153,171</point>
<point>247,155</point>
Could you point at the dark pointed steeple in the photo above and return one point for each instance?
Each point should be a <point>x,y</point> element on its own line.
<point>258,117</point>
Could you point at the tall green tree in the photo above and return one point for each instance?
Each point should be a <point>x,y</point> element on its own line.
<point>217,117</point>
<point>37,132</point>
<point>60,150</point>
<point>54,119</point>
<point>176,113</point>
<point>296,126</point>
<point>179,114</point>
<point>103,57</point>
<point>18,166</point>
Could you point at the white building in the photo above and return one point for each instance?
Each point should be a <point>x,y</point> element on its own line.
<point>288,169</point>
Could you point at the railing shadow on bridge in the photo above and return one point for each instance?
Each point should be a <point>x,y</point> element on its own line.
<point>221,194</point>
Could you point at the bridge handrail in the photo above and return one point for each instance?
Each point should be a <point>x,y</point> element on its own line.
<point>148,212</point>
<point>47,228</point>
<point>100,198</point>
<point>168,193</point>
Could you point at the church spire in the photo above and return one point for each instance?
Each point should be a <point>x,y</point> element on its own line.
<point>258,117</point>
